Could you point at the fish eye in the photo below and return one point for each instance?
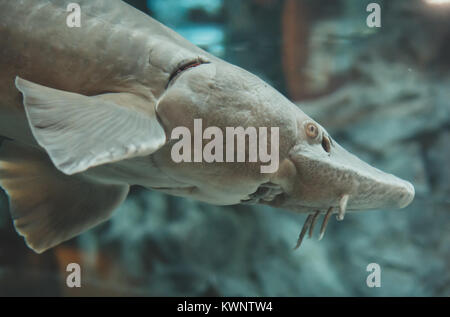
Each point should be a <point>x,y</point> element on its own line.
<point>312,130</point>
<point>326,144</point>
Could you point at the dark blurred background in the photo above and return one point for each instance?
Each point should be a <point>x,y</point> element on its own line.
<point>383,93</point>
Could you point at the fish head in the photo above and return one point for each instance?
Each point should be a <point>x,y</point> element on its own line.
<point>318,173</point>
<point>314,172</point>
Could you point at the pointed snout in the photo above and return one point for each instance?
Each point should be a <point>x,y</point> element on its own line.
<point>406,194</point>
<point>387,191</point>
<point>369,187</point>
<point>325,177</point>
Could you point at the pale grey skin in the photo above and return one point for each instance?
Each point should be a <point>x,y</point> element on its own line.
<point>73,157</point>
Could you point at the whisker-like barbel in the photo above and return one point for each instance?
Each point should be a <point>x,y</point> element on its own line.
<point>313,223</point>
<point>325,222</point>
<point>342,207</point>
<point>304,230</point>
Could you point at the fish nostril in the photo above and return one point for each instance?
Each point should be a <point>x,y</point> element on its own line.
<point>326,145</point>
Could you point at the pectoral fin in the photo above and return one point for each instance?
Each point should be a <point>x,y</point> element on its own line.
<point>47,206</point>
<point>79,132</point>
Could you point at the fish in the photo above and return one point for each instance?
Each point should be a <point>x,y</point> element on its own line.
<point>86,112</point>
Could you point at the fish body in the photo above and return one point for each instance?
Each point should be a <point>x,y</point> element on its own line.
<point>89,111</point>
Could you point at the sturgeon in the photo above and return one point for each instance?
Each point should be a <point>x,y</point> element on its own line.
<point>86,112</point>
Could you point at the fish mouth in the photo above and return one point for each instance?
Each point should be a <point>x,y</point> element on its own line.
<point>265,194</point>
<point>273,195</point>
